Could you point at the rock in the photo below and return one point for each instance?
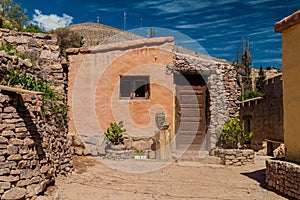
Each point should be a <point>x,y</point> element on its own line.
<point>3,140</point>
<point>5,185</point>
<point>11,149</point>
<point>27,63</point>
<point>45,54</point>
<point>279,152</point>
<point>14,193</point>
<point>14,157</point>
<point>4,171</point>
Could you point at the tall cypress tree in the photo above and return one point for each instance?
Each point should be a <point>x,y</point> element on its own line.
<point>260,84</point>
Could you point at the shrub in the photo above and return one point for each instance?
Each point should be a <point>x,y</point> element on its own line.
<point>114,132</point>
<point>233,134</point>
<point>251,94</point>
<point>67,39</point>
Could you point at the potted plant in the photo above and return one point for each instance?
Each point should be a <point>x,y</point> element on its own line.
<point>233,150</point>
<point>139,154</point>
<point>233,135</point>
<point>114,134</point>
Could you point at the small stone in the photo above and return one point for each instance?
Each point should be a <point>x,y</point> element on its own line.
<point>3,140</point>
<point>15,172</point>
<point>9,178</point>
<point>7,164</point>
<point>21,129</point>
<point>22,183</point>
<point>44,169</point>
<point>7,133</point>
<point>4,171</point>
<point>14,193</point>
<point>16,142</point>
<point>14,157</point>
<point>9,109</point>
<point>11,149</point>
<point>5,185</point>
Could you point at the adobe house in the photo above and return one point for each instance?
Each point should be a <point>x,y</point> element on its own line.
<point>283,175</point>
<point>290,29</point>
<point>134,80</point>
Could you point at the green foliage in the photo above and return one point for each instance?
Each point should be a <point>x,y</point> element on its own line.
<point>16,77</point>
<point>251,94</point>
<point>13,13</point>
<point>67,39</point>
<point>8,48</point>
<point>32,29</point>
<point>233,134</point>
<point>114,132</point>
<point>260,84</point>
<point>139,152</point>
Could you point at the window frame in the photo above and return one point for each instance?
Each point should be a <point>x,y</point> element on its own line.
<point>133,79</point>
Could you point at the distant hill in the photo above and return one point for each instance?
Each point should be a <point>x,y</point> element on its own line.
<point>94,34</point>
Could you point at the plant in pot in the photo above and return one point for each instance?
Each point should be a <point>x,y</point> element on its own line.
<point>114,134</point>
<point>160,120</point>
<point>139,154</point>
<point>233,135</point>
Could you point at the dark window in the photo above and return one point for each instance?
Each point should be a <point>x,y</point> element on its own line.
<point>134,87</point>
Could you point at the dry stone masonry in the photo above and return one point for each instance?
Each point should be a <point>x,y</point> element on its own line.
<point>283,177</point>
<point>31,153</point>
<point>34,148</point>
<point>235,157</point>
<point>221,80</point>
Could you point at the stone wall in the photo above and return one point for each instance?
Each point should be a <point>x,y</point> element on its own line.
<point>283,177</point>
<point>31,153</point>
<point>265,115</point>
<point>235,157</point>
<point>30,166</point>
<point>42,57</point>
<point>221,80</point>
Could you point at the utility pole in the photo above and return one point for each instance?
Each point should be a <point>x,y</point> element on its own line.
<point>125,19</point>
<point>1,13</point>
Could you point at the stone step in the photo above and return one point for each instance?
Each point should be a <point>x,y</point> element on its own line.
<point>193,156</point>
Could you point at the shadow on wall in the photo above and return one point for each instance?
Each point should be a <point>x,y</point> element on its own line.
<point>32,130</point>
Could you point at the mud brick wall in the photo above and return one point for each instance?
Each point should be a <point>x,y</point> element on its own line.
<point>31,155</point>
<point>266,115</point>
<point>235,157</point>
<point>283,177</point>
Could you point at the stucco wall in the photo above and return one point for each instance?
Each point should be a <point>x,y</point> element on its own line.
<point>94,88</point>
<point>291,88</point>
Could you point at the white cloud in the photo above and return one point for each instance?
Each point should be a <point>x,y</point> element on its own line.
<point>52,21</point>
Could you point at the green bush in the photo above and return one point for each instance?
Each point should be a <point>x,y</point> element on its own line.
<point>114,133</point>
<point>32,29</point>
<point>233,134</point>
<point>251,94</point>
<point>67,39</point>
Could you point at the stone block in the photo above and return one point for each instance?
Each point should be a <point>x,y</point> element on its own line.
<point>22,183</point>
<point>9,178</point>
<point>4,171</point>
<point>11,149</point>
<point>14,193</point>
<point>5,185</point>
<point>23,164</point>
<point>3,140</point>
<point>8,164</point>
<point>14,157</point>
<point>8,133</point>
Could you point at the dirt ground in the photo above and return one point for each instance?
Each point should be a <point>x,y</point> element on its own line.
<point>180,180</point>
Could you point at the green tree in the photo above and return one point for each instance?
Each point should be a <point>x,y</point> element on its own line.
<point>260,84</point>
<point>13,14</point>
<point>67,39</point>
<point>243,60</point>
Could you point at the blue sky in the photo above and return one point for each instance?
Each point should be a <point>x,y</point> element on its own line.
<point>217,26</point>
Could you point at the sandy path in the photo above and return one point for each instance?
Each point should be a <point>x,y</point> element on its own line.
<point>183,180</point>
